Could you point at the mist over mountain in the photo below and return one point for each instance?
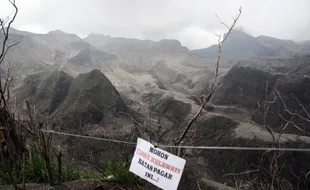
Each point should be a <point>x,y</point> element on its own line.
<point>242,46</point>
<point>144,47</point>
<point>124,88</point>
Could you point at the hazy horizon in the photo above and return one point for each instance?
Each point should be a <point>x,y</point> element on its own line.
<point>193,23</point>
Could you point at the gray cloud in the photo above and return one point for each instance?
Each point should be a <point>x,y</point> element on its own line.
<point>191,21</point>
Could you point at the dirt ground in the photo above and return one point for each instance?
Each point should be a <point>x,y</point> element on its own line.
<point>76,185</point>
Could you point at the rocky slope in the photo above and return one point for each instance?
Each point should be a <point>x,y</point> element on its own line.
<point>167,61</point>
<point>250,84</point>
<point>90,98</point>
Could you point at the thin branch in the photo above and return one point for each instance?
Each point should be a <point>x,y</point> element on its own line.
<point>222,21</point>
<point>133,119</point>
<point>29,131</point>
<point>283,129</point>
<point>233,24</point>
<point>293,124</point>
<point>287,110</point>
<point>6,51</point>
<point>270,131</point>
<point>306,178</point>
<point>198,185</point>
<point>218,35</point>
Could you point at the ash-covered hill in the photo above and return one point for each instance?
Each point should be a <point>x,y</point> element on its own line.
<point>54,50</point>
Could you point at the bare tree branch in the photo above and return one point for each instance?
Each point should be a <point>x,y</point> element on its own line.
<point>212,88</point>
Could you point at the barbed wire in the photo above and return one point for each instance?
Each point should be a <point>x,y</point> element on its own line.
<point>184,147</point>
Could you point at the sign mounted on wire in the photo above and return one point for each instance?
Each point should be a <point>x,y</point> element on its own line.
<point>157,166</point>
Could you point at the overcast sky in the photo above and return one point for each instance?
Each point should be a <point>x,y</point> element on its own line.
<point>191,21</point>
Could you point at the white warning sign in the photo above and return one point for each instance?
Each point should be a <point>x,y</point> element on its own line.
<point>157,166</point>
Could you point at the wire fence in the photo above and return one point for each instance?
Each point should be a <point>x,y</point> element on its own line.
<point>184,147</point>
